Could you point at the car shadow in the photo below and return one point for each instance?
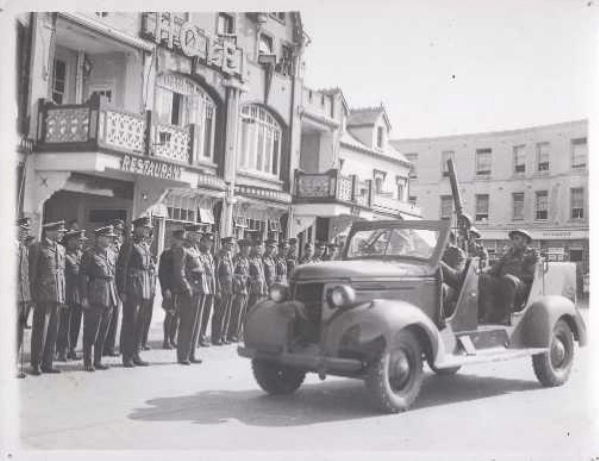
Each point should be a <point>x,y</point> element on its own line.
<point>316,403</point>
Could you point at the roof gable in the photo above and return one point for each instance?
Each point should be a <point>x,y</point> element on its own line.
<point>368,116</point>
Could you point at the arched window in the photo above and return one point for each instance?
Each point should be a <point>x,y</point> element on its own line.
<point>259,141</point>
<point>181,102</point>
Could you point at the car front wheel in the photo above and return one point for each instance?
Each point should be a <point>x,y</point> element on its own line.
<point>277,379</point>
<point>394,380</point>
<point>553,367</point>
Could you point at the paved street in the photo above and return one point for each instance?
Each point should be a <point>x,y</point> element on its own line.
<point>491,408</point>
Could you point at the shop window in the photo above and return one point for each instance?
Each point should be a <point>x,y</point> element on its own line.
<point>519,159</point>
<point>265,45</point>
<point>576,255</point>
<point>579,149</point>
<point>106,93</point>
<point>542,205</point>
<point>59,81</point>
<point>445,156</point>
<point>225,24</point>
<point>483,162</point>
<point>482,207</point>
<point>517,206</point>
<point>543,154</point>
<point>577,203</point>
<point>446,206</point>
<point>260,141</point>
<point>413,159</point>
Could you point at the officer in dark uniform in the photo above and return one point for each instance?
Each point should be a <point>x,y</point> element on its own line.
<point>46,277</point>
<point>308,256</point>
<point>70,320</point>
<point>206,245</point>
<point>169,301</point>
<point>189,281</point>
<point>133,282</point>
<point>319,252</point>
<point>281,263</point>
<point>258,288</point>
<point>476,249</point>
<point>453,263</point>
<point>224,292</point>
<point>99,295</point>
<point>269,264</point>
<point>291,256</point>
<point>23,286</point>
<point>149,306</point>
<point>507,282</point>
<point>109,345</point>
<point>241,278</point>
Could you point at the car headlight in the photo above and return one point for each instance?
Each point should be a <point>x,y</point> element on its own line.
<point>342,296</point>
<point>279,293</point>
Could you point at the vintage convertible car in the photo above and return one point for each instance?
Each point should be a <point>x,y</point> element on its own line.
<point>379,313</point>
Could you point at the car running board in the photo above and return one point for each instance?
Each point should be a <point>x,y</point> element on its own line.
<point>470,342</point>
<point>488,355</point>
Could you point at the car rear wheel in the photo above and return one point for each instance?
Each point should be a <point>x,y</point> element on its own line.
<point>553,367</point>
<point>394,380</point>
<point>277,379</point>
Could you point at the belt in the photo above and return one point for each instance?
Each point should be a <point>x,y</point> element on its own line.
<point>109,277</point>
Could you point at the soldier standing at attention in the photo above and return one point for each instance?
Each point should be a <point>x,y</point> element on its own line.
<point>133,282</point>
<point>46,278</point>
<point>109,345</point>
<point>268,262</point>
<point>169,301</point>
<point>291,256</point>
<point>190,282</point>
<point>319,252</point>
<point>224,292</point>
<point>149,306</point>
<point>258,288</point>
<point>23,286</point>
<point>70,320</point>
<point>241,278</point>
<point>281,263</point>
<point>206,245</point>
<point>307,258</point>
<point>99,295</point>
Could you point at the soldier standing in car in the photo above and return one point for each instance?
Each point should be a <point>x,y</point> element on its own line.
<point>118,226</point>
<point>189,281</point>
<point>133,282</point>
<point>46,278</point>
<point>70,320</point>
<point>281,263</point>
<point>224,292</point>
<point>206,245</point>
<point>99,295</point>
<point>308,256</point>
<point>241,278</point>
<point>169,297</point>
<point>269,264</point>
<point>23,286</point>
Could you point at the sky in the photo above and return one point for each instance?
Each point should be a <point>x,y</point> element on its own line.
<point>451,67</point>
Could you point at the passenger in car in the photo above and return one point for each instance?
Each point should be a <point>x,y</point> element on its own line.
<point>453,263</point>
<point>508,281</point>
<point>476,249</point>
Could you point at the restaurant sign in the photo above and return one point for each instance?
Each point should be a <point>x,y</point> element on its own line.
<point>150,168</point>
<point>172,31</point>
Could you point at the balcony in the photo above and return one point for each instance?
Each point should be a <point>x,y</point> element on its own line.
<point>98,126</point>
<point>330,187</point>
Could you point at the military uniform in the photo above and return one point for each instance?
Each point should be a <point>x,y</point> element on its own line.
<point>169,301</point>
<point>48,290</point>
<point>222,310</point>
<point>506,283</point>
<point>149,306</point>
<point>208,302</point>
<point>134,283</point>
<point>476,250</point>
<point>110,342</point>
<point>241,291</point>
<point>258,287</point>
<point>23,286</point>
<point>281,270</point>
<point>99,296</point>
<point>270,271</point>
<point>189,281</point>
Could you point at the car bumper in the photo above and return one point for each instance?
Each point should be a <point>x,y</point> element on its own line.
<point>309,362</point>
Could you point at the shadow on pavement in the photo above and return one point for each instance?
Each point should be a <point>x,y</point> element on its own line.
<point>316,403</point>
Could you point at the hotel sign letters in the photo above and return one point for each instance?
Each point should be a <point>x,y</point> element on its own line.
<point>169,30</point>
<point>151,168</point>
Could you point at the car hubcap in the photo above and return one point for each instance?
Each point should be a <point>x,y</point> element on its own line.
<point>558,353</point>
<point>399,370</point>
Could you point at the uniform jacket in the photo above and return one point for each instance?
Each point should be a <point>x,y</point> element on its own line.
<point>257,279</point>
<point>270,270</point>
<point>281,270</point>
<point>188,270</point>
<point>454,257</point>
<point>519,263</point>
<point>72,276</point>
<point>46,272</point>
<point>98,277</point>
<point>133,269</point>
<point>479,251</point>
<point>291,263</point>
<point>208,262</point>
<point>153,275</point>
<point>224,273</point>
<point>241,275</point>
<point>165,270</point>
<point>24,293</point>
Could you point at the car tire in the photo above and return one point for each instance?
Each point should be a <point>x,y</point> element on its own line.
<point>445,371</point>
<point>553,367</point>
<point>395,379</point>
<point>277,379</point>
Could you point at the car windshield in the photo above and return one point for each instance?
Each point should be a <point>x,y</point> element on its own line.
<point>394,243</point>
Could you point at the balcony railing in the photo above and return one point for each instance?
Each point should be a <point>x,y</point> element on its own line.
<point>332,187</point>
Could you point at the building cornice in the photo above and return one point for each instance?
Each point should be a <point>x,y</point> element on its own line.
<point>375,154</point>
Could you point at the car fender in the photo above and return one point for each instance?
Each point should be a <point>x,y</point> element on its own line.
<point>381,319</point>
<point>267,324</point>
<point>536,327</point>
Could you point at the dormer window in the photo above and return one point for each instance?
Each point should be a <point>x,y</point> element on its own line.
<point>225,24</point>
<point>265,46</point>
<point>379,137</point>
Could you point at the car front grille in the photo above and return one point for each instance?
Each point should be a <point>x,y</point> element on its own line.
<point>311,296</point>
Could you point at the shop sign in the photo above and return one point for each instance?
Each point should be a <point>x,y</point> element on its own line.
<point>150,168</point>
<point>557,234</point>
<point>193,42</point>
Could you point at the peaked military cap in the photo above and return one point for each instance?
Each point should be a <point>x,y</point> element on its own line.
<point>226,240</point>
<point>178,233</point>
<point>208,236</point>
<point>270,241</point>
<point>73,234</point>
<point>24,223</point>
<point>244,243</point>
<point>105,231</point>
<point>194,227</point>
<point>292,241</point>
<point>55,225</point>
<point>320,245</point>
<point>333,245</point>
<point>143,221</point>
<point>520,232</point>
<point>117,224</point>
